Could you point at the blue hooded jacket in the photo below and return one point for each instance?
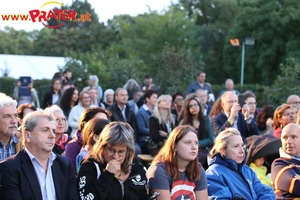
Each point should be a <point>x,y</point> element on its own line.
<point>228,180</point>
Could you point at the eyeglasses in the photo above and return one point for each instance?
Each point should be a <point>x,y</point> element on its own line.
<point>179,99</point>
<point>86,97</point>
<point>252,103</point>
<point>295,102</point>
<point>63,120</point>
<point>194,105</point>
<point>231,102</point>
<point>112,151</point>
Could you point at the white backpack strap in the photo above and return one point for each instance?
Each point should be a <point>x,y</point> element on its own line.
<point>98,170</point>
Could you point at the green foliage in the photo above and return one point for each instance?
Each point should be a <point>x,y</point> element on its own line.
<point>179,67</point>
<point>273,24</point>
<point>287,82</point>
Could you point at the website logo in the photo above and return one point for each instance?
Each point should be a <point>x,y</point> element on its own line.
<point>45,13</point>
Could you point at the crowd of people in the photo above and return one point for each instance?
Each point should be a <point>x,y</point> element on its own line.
<point>83,144</point>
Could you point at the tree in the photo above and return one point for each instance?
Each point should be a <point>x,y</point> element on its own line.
<point>273,24</point>
<point>214,19</point>
<point>287,82</point>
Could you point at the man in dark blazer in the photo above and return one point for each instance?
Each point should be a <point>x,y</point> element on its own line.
<point>121,112</point>
<point>36,173</point>
<point>232,117</point>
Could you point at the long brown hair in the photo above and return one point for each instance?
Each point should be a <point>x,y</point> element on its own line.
<point>167,155</point>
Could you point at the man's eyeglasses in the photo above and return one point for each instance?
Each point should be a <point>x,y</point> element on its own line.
<point>194,105</point>
<point>112,151</point>
<point>252,103</point>
<point>231,102</point>
<point>295,102</point>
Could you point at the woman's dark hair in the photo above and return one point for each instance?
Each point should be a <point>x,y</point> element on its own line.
<point>89,113</point>
<point>93,127</point>
<point>188,118</point>
<point>52,83</point>
<point>65,100</point>
<point>175,95</point>
<point>265,113</point>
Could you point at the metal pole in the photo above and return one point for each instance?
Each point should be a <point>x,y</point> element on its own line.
<point>243,63</point>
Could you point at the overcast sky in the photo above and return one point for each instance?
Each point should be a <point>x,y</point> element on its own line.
<point>105,9</point>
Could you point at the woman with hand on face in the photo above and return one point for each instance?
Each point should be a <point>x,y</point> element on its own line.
<point>175,172</point>
<point>228,176</point>
<point>110,170</point>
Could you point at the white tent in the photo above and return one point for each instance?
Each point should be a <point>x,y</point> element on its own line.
<point>38,67</point>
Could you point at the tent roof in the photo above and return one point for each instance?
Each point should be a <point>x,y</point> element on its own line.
<point>38,67</point>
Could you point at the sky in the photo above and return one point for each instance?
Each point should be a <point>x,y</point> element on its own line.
<point>105,9</point>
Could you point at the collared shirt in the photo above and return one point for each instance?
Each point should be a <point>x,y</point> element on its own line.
<point>45,178</point>
<point>123,112</point>
<point>9,149</point>
<point>146,108</point>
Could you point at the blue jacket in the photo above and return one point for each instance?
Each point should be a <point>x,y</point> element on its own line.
<point>228,180</point>
<point>142,119</point>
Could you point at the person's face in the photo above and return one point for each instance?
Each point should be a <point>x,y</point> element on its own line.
<point>290,140</point>
<point>203,96</point>
<point>251,102</point>
<point>57,85</point>
<point>69,75</point>
<point>60,122</point>
<point>179,100</point>
<point>194,107</point>
<point>122,97</point>
<point>86,100</point>
<point>152,100</point>
<point>92,82</point>
<point>75,96</point>
<point>229,100</point>
<point>288,116</point>
<point>117,151</point>
<point>110,97</point>
<point>187,148</point>
<point>229,85</point>
<point>42,138</point>
<point>93,93</point>
<point>8,120</point>
<point>149,81</point>
<point>165,103</point>
<point>201,77</point>
<point>137,96</point>
<point>259,162</point>
<point>100,115</point>
<point>235,149</point>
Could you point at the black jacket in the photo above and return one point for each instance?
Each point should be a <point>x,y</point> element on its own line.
<point>107,187</point>
<point>117,116</point>
<point>19,179</point>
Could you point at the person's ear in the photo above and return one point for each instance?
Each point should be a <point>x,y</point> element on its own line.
<point>27,136</point>
<point>222,151</point>
<point>95,137</point>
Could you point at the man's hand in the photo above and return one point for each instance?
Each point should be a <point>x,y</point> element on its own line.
<point>235,109</point>
<point>246,111</point>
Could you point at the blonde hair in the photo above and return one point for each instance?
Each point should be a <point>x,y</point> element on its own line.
<point>157,111</point>
<point>222,140</point>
